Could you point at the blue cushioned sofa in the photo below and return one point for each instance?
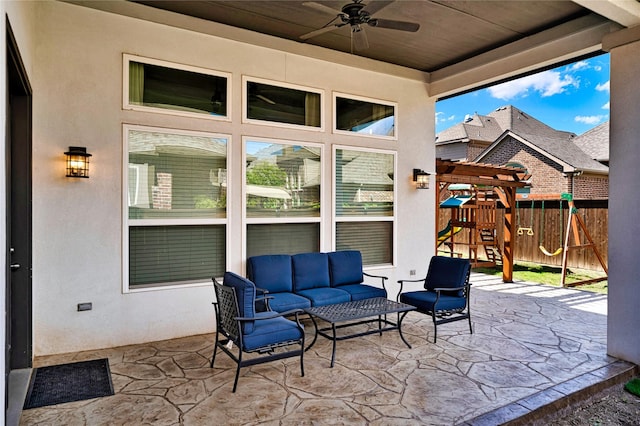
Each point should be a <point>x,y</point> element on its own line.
<point>312,279</point>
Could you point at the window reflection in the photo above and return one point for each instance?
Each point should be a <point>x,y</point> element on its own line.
<point>367,118</point>
<point>282,180</point>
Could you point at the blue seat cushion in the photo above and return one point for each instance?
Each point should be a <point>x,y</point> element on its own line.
<point>363,291</point>
<point>345,267</point>
<point>246,294</point>
<point>325,296</point>
<point>281,302</point>
<point>424,301</point>
<point>271,272</point>
<point>310,270</point>
<point>270,332</point>
<point>447,272</point>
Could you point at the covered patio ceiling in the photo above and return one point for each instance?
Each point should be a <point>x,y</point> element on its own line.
<point>457,44</point>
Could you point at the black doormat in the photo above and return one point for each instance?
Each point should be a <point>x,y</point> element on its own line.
<point>58,384</point>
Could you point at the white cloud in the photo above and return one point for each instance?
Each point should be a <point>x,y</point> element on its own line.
<point>547,83</point>
<point>590,119</point>
<point>440,118</point>
<point>580,65</point>
<point>597,68</point>
<point>606,106</point>
<point>604,87</point>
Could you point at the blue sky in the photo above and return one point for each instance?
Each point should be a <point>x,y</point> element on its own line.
<point>573,97</point>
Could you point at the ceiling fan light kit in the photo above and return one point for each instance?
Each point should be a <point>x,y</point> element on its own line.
<point>356,15</point>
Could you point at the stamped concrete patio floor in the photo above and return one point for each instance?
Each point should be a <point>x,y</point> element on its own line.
<point>532,344</point>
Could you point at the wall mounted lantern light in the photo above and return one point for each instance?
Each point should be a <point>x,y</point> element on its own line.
<point>421,178</point>
<point>77,162</point>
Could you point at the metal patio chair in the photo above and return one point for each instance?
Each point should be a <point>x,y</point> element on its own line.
<point>265,334</point>
<point>446,292</point>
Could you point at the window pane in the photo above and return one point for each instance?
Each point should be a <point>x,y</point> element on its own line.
<point>169,88</point>
<point>176,176</point>
<point>373,239</point>
<point>175,254</point>
<point>364,183</point>
<point>283,238</point>
<point>282,105</point>
<point>282,180</point>
<point>367,118</point>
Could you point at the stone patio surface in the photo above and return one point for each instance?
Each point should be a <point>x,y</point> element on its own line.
<point>532,344</point>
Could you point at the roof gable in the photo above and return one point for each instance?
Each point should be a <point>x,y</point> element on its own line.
<point>595,142</point>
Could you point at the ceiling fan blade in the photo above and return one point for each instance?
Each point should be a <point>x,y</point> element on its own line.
<point>320,31</point>
<point>360,40</point>
<point>394,25</point>
<point>322,8</point>
<point>377,5</point>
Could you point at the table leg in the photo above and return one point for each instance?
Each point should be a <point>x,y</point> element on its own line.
<point>400,318</point>
<point>333,351</point>
<point>315,336</point>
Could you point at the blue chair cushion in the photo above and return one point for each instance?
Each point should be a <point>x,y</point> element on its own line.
<point>345,267</point>
<point>281,302</point>
<point>270,332</point>
<point>325,296</point>
<point>271,272</point>
<point>246,294</point>
<point>424,301</point>
<point>447,272</point>
<point>310,270</point>
<point>363,291</point>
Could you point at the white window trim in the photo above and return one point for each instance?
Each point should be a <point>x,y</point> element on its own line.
<point>368,218</point>
<point>274,220</point>
<point>162,222</point>
<point>364,99</point>
<point>246,79</point>
<point>126,58</point>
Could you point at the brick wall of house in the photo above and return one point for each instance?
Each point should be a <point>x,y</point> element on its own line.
<point>475,148</point>
<point>591,187</point>
<point>162,192</point>
<point>546,175</point>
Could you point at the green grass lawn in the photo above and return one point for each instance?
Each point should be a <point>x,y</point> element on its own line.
<point>545,274</point>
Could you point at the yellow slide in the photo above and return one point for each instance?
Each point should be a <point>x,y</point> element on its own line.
<point>445,234</point>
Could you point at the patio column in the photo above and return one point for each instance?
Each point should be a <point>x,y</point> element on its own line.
<point>623,319</point>
<point>509,240</point>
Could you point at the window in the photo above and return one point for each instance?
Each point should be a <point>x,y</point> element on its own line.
<point>364,203</point>
<point>282,197</point>
<point>364,117</point>
<point>282,103</point>
<point>175,193</point>
<point>165,87</point>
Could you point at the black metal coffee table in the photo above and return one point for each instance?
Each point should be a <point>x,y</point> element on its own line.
<point>358,310</point>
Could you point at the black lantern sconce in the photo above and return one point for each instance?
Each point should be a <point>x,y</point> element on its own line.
<point>421,178</point>
<point>77,162</point>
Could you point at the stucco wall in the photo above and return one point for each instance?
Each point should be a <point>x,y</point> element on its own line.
<point>623,338</point>
<point>77,223</point>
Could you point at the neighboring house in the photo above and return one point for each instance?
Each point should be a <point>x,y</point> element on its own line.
<point>557,164</point>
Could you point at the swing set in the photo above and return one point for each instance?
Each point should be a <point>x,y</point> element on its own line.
<point>575,223</point>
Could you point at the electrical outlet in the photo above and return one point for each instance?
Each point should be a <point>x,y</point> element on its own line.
<point>412,272</point>
<point>85,306</point>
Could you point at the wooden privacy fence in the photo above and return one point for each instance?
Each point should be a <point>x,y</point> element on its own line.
<point>548,223</point>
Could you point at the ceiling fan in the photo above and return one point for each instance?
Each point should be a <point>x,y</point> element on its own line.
<point>357,14</point>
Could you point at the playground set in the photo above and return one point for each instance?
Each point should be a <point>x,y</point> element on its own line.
<point>473,211</point>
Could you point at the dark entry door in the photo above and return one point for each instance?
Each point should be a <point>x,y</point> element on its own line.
<point>18,225</point>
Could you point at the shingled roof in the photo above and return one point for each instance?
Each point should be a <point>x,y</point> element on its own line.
<point>489,127</point>
<point>559,147</point>
<point>595,142</point>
